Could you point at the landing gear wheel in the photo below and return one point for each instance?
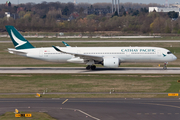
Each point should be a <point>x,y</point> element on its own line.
<point>93,67</point>
<point>88,67</point>
<point>165,66</point>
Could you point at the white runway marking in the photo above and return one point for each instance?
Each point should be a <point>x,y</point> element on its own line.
<point>82,113</point>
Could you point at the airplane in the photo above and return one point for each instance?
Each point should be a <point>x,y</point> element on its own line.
<point>110,57</point>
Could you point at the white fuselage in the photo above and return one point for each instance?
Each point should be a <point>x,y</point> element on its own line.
<point>125,54</point>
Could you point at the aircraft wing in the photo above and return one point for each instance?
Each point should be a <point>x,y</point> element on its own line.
<point>82,56</point>
<point>14,51</point>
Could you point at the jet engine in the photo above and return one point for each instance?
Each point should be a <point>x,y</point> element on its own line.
<point>111,62</point>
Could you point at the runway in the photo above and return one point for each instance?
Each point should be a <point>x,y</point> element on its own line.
<point>82,70</point>
<point>99,41</point>
<point>97,109</point>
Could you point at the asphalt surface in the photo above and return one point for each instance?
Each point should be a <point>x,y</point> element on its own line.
<point>98,109</point>
<point>99,41</point>
<point>82,70</point>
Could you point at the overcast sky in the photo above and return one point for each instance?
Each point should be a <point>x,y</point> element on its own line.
<point>89,1</point>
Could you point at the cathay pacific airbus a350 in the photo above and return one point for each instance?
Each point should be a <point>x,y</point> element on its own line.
<point>110,57</point>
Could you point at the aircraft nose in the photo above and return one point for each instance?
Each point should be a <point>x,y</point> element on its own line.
<point>174,57</point>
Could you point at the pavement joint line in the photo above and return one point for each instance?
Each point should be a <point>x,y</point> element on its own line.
<point>136,98</point>
<point>162,105</point>
<point>157,113</point>
<point>43,111</point>
<point>55,98</point>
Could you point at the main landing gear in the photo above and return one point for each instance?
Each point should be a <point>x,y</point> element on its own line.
<point>165,66</point>
<point>91,67</point>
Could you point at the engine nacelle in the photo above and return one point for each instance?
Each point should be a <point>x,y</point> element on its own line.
<point>111,62</point>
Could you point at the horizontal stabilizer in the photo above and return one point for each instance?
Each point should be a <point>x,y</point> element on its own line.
<point>14,51</point>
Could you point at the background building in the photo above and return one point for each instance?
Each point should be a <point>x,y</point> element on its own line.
<point>175,8</point>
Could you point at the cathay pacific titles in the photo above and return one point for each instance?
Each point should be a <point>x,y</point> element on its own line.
<point>138,50</point>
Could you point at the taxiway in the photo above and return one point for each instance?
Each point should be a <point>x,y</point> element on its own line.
<point>97,109</point>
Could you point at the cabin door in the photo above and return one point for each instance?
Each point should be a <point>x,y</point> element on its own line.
<point>41,53</point>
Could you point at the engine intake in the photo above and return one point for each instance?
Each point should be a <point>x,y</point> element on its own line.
<point>111,62</point>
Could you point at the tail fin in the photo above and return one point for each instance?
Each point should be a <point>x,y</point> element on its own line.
<point>66,44</point>
<point>18,40</point>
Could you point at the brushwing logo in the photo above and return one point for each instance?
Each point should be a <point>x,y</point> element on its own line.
<point>164,55</point>
<point>18,41</point>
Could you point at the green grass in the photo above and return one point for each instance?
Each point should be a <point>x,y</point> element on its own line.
<point>108,95</point>
<point>35,115</point>
<point>20,83</point>
<point>87,83</point>
<point>113,95</point>
<point>175,86</point>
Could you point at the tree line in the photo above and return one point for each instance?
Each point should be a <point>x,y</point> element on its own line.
<point>133,18</point>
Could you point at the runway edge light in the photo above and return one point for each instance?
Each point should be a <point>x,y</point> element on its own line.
<point>173,94</point>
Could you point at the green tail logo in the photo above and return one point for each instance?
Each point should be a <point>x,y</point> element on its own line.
<point>18,40</point>
<point>65,44</point>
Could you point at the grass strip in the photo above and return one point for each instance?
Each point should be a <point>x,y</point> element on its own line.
<point>79,83</point>
<point>113,95</point>
<point>35,115</point>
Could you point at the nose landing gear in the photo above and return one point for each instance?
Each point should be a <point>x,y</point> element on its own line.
<point>165,66</point>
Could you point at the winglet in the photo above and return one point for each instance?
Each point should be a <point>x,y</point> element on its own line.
<point>66,44</point>
<point>56,49</point>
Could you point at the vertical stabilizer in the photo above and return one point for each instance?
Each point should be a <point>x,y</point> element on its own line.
<point>66,44</point>
<point>18,40</point>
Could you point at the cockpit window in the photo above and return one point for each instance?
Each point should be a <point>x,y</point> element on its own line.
<point>169,52</point>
